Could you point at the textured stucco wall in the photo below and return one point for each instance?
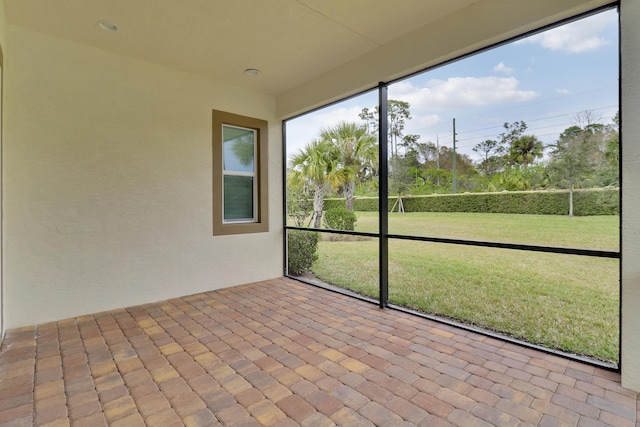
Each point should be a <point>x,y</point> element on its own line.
<point>3,27</point>
<point>630,48</point>
<point>108,183</point>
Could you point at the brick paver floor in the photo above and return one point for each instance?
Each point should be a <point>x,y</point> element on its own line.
<point>281,353</point>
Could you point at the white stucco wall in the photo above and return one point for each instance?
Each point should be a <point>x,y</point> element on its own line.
<point>630,48</point>
<point>3,26</point>
<point>108,183</point>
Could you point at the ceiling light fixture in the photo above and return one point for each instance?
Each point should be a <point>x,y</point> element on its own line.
<point>108,26</point>
<point>252,71</point>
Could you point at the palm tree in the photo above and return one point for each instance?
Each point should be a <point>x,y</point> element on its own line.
<point>316,164</point>
<point>525,150</point>
<point>356,153</point>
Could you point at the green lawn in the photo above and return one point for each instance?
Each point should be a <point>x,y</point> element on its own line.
<point>592,232</point>
<point>565,302</point>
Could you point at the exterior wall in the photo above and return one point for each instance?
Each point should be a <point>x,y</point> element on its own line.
<point>108,183</point>
<point>630,48</point>
<point>3,27</point>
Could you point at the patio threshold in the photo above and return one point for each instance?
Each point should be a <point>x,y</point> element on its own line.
<point>457,324</point>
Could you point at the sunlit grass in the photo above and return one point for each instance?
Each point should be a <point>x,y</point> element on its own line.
<point>593,232</point>
<point>565,302</point>
<point>353,266</point>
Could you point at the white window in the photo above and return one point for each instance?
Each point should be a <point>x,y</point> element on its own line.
<point>239,174</point>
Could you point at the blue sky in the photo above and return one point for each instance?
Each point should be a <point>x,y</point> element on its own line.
<point>545,80</point>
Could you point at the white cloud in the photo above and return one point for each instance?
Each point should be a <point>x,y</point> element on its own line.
<point>501,68</point>
<point>459,92</point>
<point>563,91</point>
<point>427,120</point>
<point>576,37</point>
<point>333,117</point>
<point>422,122</point>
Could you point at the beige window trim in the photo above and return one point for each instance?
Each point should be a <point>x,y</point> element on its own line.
<point>261,224</point>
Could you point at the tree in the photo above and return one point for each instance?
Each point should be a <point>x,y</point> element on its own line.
<point>490,152</point>
<point>316,164</point>
<point>356,153</point>
<point>512,132</point>
<point>401,178</point>
<point>427,152</point>
<point>299,204</point>
<point>606,146</point>
<point>586,118</point>
<point>572,159</point>
<point>409,142</point>
<point>525,150</point>
<point>610,169</point>
<point>437,170</point>
<point>428,155</point>
<point>398,112</point>
<point>464,164</point>
<point>522,149</point>
<point>420,156</point>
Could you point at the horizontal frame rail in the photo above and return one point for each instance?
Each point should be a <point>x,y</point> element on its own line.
<point>479,243</point>
<point>533,248</point>
<point>329,231</point>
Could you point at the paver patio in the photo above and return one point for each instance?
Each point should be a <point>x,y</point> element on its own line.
<point>281,353</point>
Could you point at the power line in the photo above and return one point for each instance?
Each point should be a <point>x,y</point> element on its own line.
<point>529,129</point>
<point>538,119</point>
<point>471,138</point>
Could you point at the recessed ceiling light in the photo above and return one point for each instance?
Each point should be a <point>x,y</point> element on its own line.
<point>108,26</point>
<point>252,71</point>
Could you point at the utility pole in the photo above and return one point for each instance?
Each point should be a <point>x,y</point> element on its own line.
<point>455,175</point>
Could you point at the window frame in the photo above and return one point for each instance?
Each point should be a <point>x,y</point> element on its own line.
<point>260,223</point>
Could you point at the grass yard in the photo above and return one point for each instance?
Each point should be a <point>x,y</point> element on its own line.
<point>565,302</point>
<point>591,232</point>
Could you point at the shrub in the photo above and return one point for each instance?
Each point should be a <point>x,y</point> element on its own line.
<point>340,219</point>
<point>299,205</point>
<point>598,201</point>
<point>334,203</point>
<point>302,251</point>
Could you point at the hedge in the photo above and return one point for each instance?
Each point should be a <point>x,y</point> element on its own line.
<point>585,202</point>
<point>364,204</point>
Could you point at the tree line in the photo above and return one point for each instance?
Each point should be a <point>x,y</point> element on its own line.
<point>343,160</point>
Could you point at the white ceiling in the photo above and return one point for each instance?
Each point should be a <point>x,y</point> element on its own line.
<point>290,41</point>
